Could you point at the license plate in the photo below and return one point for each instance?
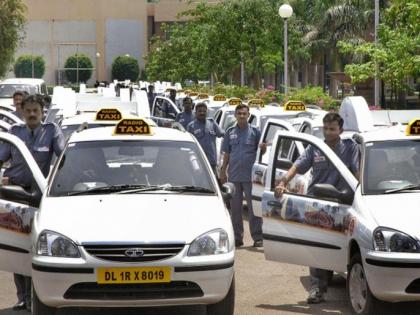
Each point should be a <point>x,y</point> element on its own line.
<point>133,275</point>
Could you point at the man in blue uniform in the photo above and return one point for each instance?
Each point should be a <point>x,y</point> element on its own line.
<point>18,97</point>
<point>187,116</point>
<point>239,146</point>
<point>206,130</point>
<point>42,140</point>
<point>323,173</point>
<point>151,96</point>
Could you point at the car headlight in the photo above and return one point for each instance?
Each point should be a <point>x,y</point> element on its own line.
<point>56,245</point>
<point>388,240</point>
<point>212,243</point>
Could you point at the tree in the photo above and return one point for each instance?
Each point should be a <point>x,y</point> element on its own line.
<point>125,68</point>
<point>75,62</point>
<point>25,64</point>
<point>12,20</point>
<point>396,57</point>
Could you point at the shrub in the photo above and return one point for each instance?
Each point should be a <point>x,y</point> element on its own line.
<point>23,66</point>
<point>312,95</point>
<point>84,62</point>
<point>125,68</point>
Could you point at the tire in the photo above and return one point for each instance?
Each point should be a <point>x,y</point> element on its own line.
<point>225,306</point>
<point>360,298</point>
<point>39,308</point>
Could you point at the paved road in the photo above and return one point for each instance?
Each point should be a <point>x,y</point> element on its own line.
<point>263,288</point>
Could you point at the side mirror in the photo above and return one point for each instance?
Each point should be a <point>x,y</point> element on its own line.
<point>345,196</point>
<point>19,194</point>
<point>284,164</point>
<point>172,116</point>
<point>228,190</point>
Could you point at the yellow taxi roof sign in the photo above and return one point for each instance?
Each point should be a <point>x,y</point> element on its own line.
<point>133,126</point>
<point>180,91</point>
<point>256,102</point>
<point>203,96</point>
<point>294,106</point>
<point>187,92</point>
<point>192,94</point>
<point>413,128</point>
<point>219,98</point>
<point>234,101</point>
<point>109,114</point>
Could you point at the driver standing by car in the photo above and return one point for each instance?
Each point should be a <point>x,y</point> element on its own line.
<point>42,140</point>
<point>187,116</point>
<point>323,173</point>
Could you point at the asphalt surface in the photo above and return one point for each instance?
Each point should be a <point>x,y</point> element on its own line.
<point>262,287</point>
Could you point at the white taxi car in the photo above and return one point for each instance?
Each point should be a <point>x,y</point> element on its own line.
<point>118,225</point>
<point>367,228</point>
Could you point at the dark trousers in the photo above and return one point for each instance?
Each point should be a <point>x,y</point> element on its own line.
<point>319,278</point>
<point>23,288</point>
<point>255,223</point>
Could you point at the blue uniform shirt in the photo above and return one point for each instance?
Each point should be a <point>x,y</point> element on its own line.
<point>45,140</point>
<point>324,172</point>
<point>206,133</point>
<point>185,118</point>
<point>241,145</point>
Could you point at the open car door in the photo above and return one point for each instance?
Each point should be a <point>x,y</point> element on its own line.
<point>307,230</point>
<point>17,209</point>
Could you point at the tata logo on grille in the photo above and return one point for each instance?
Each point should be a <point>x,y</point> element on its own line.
<point>134,252</point>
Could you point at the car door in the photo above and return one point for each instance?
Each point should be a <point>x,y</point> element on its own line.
<point>10,118</point>
<point>17,213</point>
<point>164,108</point>
<point>259,169</point>
<point>302,229</point>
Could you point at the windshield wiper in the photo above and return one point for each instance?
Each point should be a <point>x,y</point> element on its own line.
<point>109,189</point>
<point>168,187</point>
<point>407,187</point>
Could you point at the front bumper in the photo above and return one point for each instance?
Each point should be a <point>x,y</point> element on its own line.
<point>393,277</point>
<point>69,282</point>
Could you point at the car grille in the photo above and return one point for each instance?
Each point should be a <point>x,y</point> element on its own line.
<point>150,252</point>
<point>147,291</point>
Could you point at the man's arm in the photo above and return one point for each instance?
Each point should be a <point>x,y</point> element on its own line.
<point>58,141</point>
<point>223,174</point>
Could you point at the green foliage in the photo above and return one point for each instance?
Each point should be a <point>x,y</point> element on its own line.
<point>311,95</point>
<point>78,61</point>
<point>243,92</point>
<point>23,66</point>
<point>12,20</point>
<point>125,68</point>
<point>396,57</point>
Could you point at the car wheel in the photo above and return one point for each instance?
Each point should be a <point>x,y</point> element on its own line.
<point>361,300</point>
<point>225,306</point>
<point>39,308</point>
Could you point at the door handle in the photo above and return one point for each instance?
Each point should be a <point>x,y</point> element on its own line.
<point>274,203</point>
<point>259,173</point>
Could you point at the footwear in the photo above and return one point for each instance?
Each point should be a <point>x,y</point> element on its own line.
<point>28,307</point>
<point>258,243</point>
<point>21,305</point>
<point>315,296</point>
<point>238,243</point>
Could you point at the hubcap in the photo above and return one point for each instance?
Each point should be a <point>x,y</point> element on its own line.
<point>357,288</point>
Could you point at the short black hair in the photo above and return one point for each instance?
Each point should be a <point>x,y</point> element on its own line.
<point>240,106</point>
<point>331,117</point>
<point>47,99</point>
<point>201,104</point>
<point>187,99</point>
<point>18,93</point>
<point>34,99</point>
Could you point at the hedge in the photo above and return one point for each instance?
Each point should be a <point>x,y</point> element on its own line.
<point>84,62</point>
<point>23,66</point>
<point>125,68</point>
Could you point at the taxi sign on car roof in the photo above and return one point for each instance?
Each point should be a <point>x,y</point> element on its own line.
<point>219,98</point>
<point>110,114</point>
<point>203,96</point>
<point>256,102</point>
<point>294,106</point>
<point>413,128</point>
<point>132,127</point>
<point>192,94</point>
<point>234,101</point>
<point>187,92</point>
<point>180,91</point>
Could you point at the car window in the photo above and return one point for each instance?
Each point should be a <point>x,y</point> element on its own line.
<point>268,139</point>
<point>229,120</point>
<point>7,90</point>
<point>217,116</point>
<point>400,159</point>
<point>87,165</point>
<point>253,120</point>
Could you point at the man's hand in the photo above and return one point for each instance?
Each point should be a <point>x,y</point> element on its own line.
<point>280,188</point>
<point>263,146</point>
<point>5,181</point>
<point>223,177</point>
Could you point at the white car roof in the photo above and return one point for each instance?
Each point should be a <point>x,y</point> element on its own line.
<point>107,133</point>
<point>23,81</point>
<point>90,118</point>
<point>387,134</point>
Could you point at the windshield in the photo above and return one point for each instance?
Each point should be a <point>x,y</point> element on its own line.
<point>318,132</point>
<point>391,165</point>
<point>89,165</point>
<point>7,90</point>
<point>69,129</point>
